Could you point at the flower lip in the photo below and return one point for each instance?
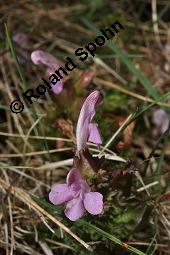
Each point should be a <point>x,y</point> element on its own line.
<point>77,196</point>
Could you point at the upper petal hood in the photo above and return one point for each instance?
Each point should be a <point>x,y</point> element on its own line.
<point>73,177</point>
<point>41,57</point>
<point>76,182</point>
<point>86,114</point>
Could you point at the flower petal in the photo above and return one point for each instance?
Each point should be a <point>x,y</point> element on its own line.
<point>94,134</point>
<point>73,176</point>
<point>86,114</point>
<point>74,209</point>
<point>58,87</point>
<point>76,182</point>
<point>60,193</point>
<point>93,202</point>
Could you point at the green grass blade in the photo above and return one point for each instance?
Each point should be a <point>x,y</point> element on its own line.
<point>137,114</point>
<point>12,48</point>
<point>78,223</point>
<point>22,76</point>
<point>165,137</point>
<point>125,59</point>
<point>110,237</point>
<point>4,107</point>
<point>160,99</point>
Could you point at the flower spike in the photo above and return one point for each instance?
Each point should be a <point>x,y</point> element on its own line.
<point>76,193</point>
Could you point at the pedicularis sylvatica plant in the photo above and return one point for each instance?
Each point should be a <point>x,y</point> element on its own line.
<point>76,194</point>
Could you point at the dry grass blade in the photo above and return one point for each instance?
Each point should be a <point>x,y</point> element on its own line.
<point>115,134</point>
<point>133,74</point>
<point>35,137</point>
<point>34,153</point>
<point>128,92</point>
<point>54,165</point>
<point>108,69</point>
<point>26,199</point>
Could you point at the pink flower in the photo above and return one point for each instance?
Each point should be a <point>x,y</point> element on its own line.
<point>87,131</point>
<point>40,57</point>
<point>77,196</point>
<point>76,192</point>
